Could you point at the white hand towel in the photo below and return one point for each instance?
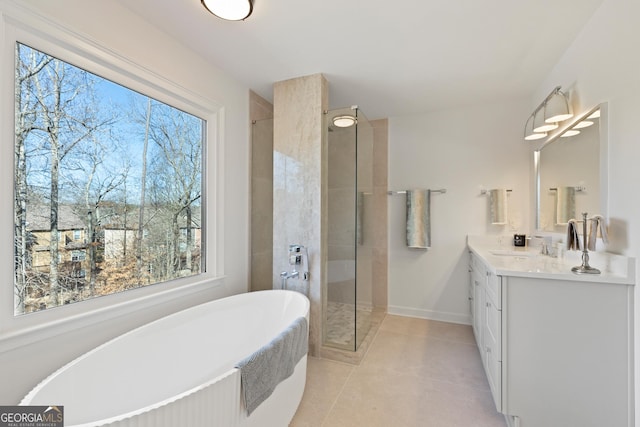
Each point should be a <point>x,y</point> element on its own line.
<point>565,204</point>
<point>573,238</point>
<point>498,206</point>
<point>418,219</point>
<point>597,222</point>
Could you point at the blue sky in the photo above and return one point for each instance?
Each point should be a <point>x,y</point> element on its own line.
<point>123,141</point>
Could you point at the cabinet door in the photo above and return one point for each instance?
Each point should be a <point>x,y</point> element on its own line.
<point>492,340</point>
<point>494,289</point>
<point>478,311</point>
<point>478,278</point>
<point>472,292</point>
<point>493,328</point>
<point>493,369</point>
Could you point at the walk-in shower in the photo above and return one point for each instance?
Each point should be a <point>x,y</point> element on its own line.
<point>347,302</point>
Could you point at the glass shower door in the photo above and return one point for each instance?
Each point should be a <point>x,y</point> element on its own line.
<point>364,228</point>
<point>348,301</point>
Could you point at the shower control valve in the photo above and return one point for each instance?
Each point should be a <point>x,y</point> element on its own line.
<point>295,254</point>
<point>295,259</point>
<point>299,255</point>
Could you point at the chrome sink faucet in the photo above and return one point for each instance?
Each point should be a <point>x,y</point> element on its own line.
<point>544,249</point>
<point>546,246</point>
<point>545,242</point>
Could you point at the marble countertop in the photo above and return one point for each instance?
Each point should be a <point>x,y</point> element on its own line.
<point>507,260</point>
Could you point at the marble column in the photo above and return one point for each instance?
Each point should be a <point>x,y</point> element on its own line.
<point>299,187</point>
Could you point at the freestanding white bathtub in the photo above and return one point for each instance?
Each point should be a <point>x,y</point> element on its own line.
<point>179,370</point>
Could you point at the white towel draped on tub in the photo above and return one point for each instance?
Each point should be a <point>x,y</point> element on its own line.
<point>565,204</point>
<point>498,206</point>
<point>418,219</point>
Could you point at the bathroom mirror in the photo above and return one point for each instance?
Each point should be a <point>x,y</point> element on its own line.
<point>571,171</point>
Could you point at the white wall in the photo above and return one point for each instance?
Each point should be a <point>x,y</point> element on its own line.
<point>25,359</point>
<point>461,150</point>
<point>603,65</point>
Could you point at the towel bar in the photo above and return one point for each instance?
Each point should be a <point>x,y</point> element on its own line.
<point>487,191</point>
<point>391,193</point>
<point>577,187</point>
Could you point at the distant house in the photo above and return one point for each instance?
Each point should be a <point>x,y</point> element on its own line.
<point>72,241</point>
<point>120,231</point>
<point>116,231</point>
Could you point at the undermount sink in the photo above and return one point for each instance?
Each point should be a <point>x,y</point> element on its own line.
<point>511,252</point>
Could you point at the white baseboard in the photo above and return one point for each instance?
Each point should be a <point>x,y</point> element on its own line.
<point>464,319</point>
<point>512,421</point>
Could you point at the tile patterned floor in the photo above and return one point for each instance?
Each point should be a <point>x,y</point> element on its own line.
<point>416,373</point>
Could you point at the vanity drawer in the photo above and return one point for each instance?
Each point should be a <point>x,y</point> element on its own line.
<point>494,289</point>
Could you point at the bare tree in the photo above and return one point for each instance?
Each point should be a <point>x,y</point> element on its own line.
<point>177,175</point>
<point>28,64</point>
<point>143,187</point>
<point>64,119</point>
<point>103,176</point>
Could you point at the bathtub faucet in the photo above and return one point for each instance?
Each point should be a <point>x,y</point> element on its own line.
<point>285,275</point>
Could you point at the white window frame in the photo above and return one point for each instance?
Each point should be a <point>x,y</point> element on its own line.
<point>20,25</point>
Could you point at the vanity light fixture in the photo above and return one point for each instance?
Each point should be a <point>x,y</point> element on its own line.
<point>529,133</point>
<point>545,118</point>
<point>583,124</point>
<point>556,107</point>
<point>231,10</point>
<point>570,132</point>
<point>539,125</point>
<point>594,115</point>
<point>344,121</point>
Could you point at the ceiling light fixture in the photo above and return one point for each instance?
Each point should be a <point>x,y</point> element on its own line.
<point>231,10</point>
<point>554,109</point>
<point>344,121</point>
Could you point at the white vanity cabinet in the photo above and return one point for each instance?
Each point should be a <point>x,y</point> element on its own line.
<point>557,348</point>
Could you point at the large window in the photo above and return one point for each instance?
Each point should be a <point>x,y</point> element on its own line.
<point>108,186</point>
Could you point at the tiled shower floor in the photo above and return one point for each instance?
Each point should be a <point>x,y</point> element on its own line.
<point>416,373</point>
<point>340,324</point>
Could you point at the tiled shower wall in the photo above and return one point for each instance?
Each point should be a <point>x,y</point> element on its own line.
<point>380,197</point>
<point>304,200</point>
